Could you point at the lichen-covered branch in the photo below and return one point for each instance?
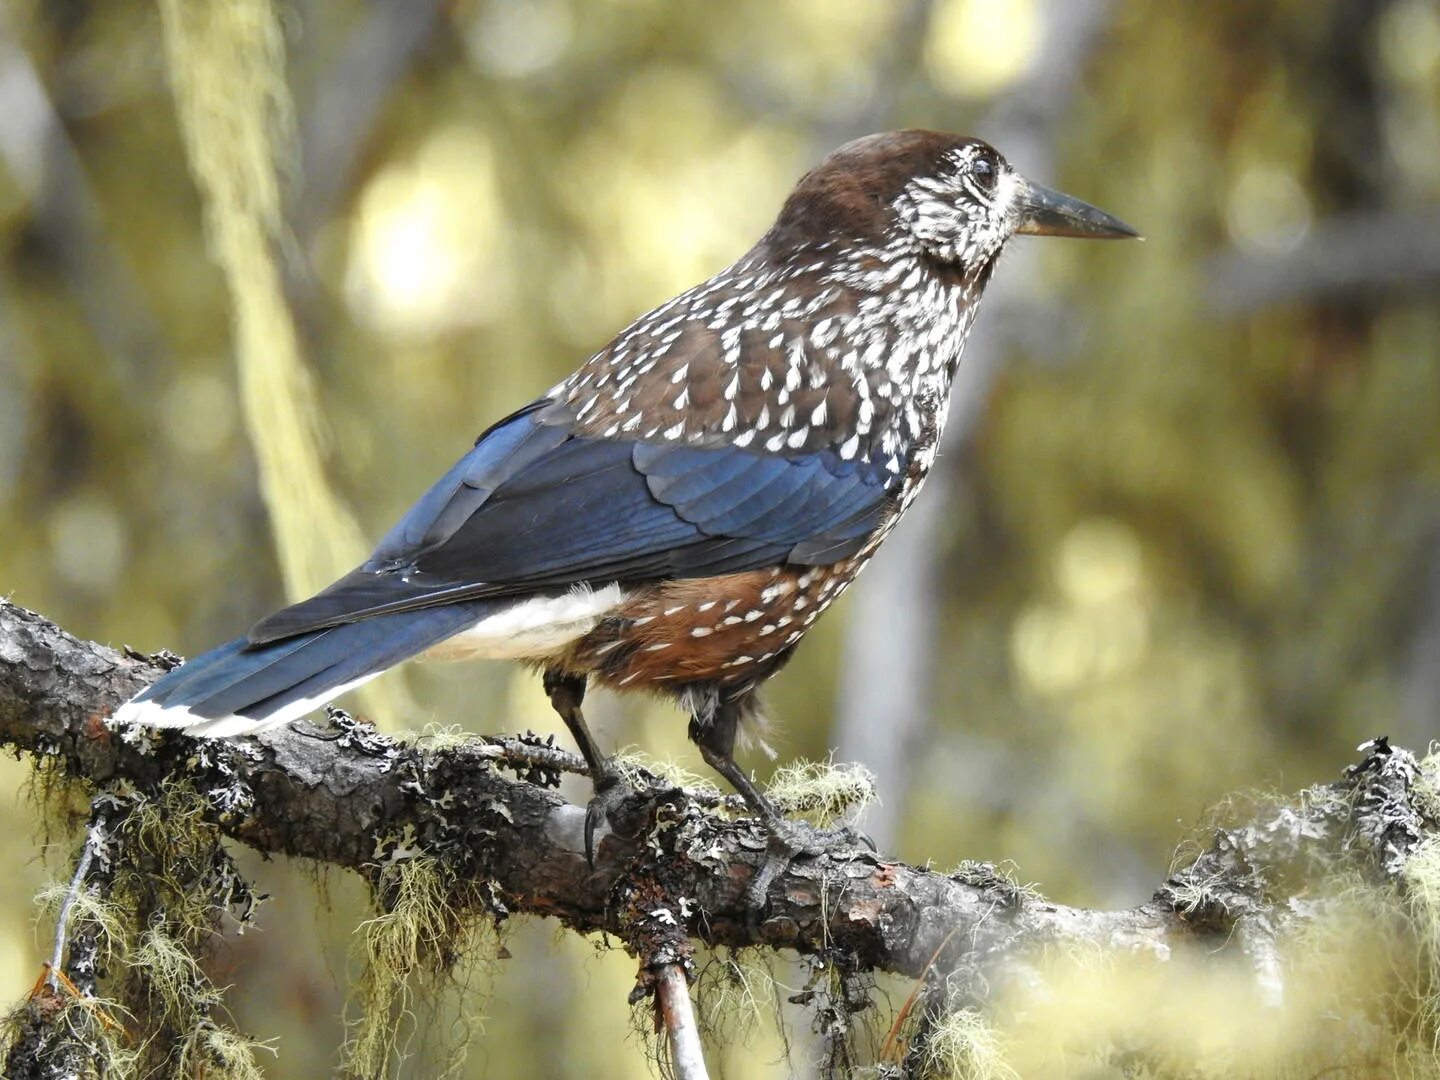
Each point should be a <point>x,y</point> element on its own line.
<point>487,813</point>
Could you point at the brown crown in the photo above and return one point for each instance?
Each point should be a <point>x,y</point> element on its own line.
<point>849,194</point>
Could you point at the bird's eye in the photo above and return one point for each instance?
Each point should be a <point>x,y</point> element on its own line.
<point>985,170</point>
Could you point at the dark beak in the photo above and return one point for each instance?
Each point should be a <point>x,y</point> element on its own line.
<point>1050,213</point>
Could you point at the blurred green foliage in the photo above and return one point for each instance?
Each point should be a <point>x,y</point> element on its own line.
<point>1197,549</point>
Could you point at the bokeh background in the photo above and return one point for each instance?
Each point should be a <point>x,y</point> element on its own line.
<point>1185,539</point>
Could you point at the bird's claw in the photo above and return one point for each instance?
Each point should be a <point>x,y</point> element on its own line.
<point>610,791</point>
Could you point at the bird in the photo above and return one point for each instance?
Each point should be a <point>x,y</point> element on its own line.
<point>676,514</point>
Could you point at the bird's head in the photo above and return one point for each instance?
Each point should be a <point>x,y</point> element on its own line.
<point>955,199</point>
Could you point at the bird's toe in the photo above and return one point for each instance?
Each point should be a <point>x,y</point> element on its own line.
<point>791,840</point>
<point>801,838</point>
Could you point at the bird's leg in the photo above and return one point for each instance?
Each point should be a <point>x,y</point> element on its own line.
<point>714,731</point>
<point>567,694</point>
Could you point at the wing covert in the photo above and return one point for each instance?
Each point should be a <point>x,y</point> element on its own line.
<point>534,507</point>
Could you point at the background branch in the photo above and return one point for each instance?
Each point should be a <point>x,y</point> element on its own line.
<point>1363,253</point>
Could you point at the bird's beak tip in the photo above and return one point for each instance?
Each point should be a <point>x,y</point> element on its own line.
<point>1045,212</point>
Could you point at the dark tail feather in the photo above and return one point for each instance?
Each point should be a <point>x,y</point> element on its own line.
<point>240,688</point>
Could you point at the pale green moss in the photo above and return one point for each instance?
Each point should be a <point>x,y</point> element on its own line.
<point>435,736</point>
<point>411,953</point>
<point>1426,789</point>
<point>634,764</point>
<point>825,791</point>
<point>1191,895</point>
<point>988,875</point>
<point>152,916</point>
<point>963,1045</point>
<point>61,802</point>
<point>211,1051</point>
<point>226,63</point>
<point>90,1030</point>
<point>735,992</point>
<point>174,974</point>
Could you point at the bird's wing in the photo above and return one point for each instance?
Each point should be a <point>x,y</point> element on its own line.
<point>535,507</point>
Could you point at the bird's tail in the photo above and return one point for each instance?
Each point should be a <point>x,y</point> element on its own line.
<point>241,688</point>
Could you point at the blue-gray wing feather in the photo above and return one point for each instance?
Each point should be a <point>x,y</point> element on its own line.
<point>535,507</point>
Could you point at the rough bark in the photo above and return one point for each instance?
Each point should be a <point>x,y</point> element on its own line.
<point>347,796</point>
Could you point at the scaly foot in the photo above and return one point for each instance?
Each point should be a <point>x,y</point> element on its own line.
<point>611,791</point>
<point>791,840</point>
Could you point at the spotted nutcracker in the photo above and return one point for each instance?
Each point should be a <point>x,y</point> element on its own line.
<point>675,515</point>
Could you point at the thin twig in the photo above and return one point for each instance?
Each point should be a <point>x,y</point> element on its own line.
<point>93,839</point>
<point>890,1050</point>
<point>514,751</point>
<point>672,999</point>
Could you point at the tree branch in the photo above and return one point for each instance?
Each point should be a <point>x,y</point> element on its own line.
<point>1369,252</point>
<point>672,1000</point>
<point>350,797</point>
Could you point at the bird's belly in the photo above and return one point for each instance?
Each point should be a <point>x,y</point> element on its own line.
<point>530,629</point>
<point>732,630</point>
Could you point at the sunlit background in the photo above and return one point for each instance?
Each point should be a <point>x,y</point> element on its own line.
<point>1185,538</point>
